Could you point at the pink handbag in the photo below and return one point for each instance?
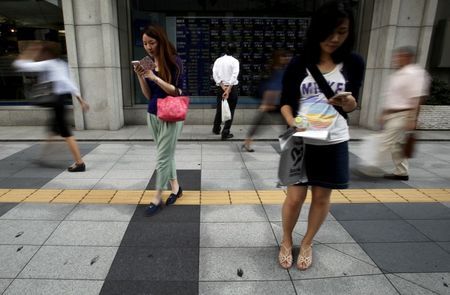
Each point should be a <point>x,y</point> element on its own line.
<point>172,108</point>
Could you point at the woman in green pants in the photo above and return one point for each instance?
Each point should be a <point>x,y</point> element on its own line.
<point>163,78</point>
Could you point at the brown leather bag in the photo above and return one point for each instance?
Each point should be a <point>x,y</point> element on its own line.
<point>408,146</point>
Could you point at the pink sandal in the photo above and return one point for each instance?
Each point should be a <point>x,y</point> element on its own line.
<point>305,258</point>
<point>284,259</point>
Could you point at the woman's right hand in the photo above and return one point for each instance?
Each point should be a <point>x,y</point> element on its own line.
<point>139,70</point>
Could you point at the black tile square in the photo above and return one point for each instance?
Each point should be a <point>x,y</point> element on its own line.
<point>362,212</point>
<point>167,235</point>
<point>5,207</point>
<point>188,180</point>
<point>382,231</point>
<point>445,246</point>
<point>420,210</point>
<point>23,183</point>
<point>173,213</point>
<point>155,264</point>
<point>366,183</point>
<point>408,257</point>
<point>148,287</point>
<point>436,230</point>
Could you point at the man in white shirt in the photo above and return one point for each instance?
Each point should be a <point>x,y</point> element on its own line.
<point>408,86</point>
<point>225,74</point>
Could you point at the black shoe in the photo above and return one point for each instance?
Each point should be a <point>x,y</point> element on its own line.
<point>216,130</point>
<point>152,209</point>
<point>77,167</point>
<point>396,177</point>
<point>247,148</point>
<point>227,136</point>
<point>173,197</point>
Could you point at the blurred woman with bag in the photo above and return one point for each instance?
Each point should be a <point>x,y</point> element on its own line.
<point>328,50</point>
<point>43,58</point>
<point>164,79</point>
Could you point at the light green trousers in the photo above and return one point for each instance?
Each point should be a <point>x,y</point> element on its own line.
<point>165,135</point>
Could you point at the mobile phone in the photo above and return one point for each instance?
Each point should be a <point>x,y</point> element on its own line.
<point>147,63</point>
<point>340,95</point>
<point>135,62</point>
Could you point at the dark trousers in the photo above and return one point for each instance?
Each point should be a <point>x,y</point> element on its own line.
<point>232,101</point>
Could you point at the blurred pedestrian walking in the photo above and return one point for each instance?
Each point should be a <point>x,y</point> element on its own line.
<point>270,90</point>
<point>327,53</point>
<point>225,74</point>
<point>43,58</point>
<point>157,82</point>
<point>407,87</point>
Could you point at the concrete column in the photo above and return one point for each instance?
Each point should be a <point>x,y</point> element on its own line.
<point>395,23</point>
<point>92,38</point>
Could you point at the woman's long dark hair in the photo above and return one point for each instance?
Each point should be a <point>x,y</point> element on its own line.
<point>166,53</point>
<point>323,23</point>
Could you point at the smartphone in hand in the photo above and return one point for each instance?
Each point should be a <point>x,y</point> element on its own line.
<point>147,63</point>
<point>340,95</point>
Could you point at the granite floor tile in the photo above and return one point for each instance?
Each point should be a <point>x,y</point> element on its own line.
<point>274,213</point>
<point>189,179</point>
<point>164,235</point>
<point>26,232</point>
<point>257,264</point>
<point>69,262</point>
<point>362,212</point>
<point>122,184</point>
<point>13,258</point>
<point>445,246</point>
<point>149,287</point>
<point>235,213</point>
<point>258,287</point>
<point>5,207</point>
<point>373,284</point>
<point>249,234</point>
<point>383,231</point>
<point>234,184</point>
<point>4,283</point>
<point>155,264</point>
<point>330,261</point>
<point>408,257</point>
<point>27,211</point>
<point>420,210</point>
<point>88,233</point>
<point>182,214</point>
<point>102,212</point>
<point>72,183</point>
<point>54,287</point>
<point>435,230</point>
<point>420,283</point>
<point>18,183</point>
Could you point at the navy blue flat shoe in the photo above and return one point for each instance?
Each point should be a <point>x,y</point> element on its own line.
<point>173,197</point>
<point>152,209</point>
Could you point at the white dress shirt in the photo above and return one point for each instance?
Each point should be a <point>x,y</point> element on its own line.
<point>54,70</point>
<point>226,70</point>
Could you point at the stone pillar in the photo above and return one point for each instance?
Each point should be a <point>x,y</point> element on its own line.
<point>92,39</point>
<point>395,23</point>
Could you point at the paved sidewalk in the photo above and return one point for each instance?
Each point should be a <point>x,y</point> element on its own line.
<point>85,233</point>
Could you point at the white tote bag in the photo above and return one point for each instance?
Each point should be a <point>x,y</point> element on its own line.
<point>226,113</point>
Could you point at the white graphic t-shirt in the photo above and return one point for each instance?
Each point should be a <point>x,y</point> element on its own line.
<point>321,115</point>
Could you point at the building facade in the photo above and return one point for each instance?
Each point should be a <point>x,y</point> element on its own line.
<point>99,38</point>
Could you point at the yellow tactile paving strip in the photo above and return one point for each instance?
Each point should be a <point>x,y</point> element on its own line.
<point>220,197</point>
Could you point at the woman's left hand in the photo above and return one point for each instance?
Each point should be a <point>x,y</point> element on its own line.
<point>348,103</point>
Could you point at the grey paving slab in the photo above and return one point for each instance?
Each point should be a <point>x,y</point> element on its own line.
<point>5,207</point>
<point>421,283</point>
<point>274,213</point>
<point>69,262</point>
<point>20,183</point>
<point>248,288</point>
<point>27,211</point>
<point>428,182</point>
<point>102,212</point>
<point>383,231</point>
<point>271,174</point>
<point>91,172</point>
<point>128,174</point>
<point>408,257</point>
<point>38,172</point>
<point>155,264</point>
<point>225,165</point>
<point>436,230</point>
<point>73,183</point>
<point>249,234</point>
<point>4,283</point>
<point>13,258</point>
<point>122,184</point>
<point>26,232</point>
<point>420,210</point>
<point>330,262</point>
<point>188,179</point>
<point>88,233</point>
<point>257,264</point>
<point>374,285</point>
<point>329,232</point>
<point>224,175</point>
<point>352,250</point>
<point>362,212</point>
<point>164,235</point>
<point>112,287</point>
<point>445,246</point>
<point>235,213</point>
<point>172,214</point>
<point>256,165</point>
<point>265,184</point>
<point>46,287</point>
<point>234,184</point>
